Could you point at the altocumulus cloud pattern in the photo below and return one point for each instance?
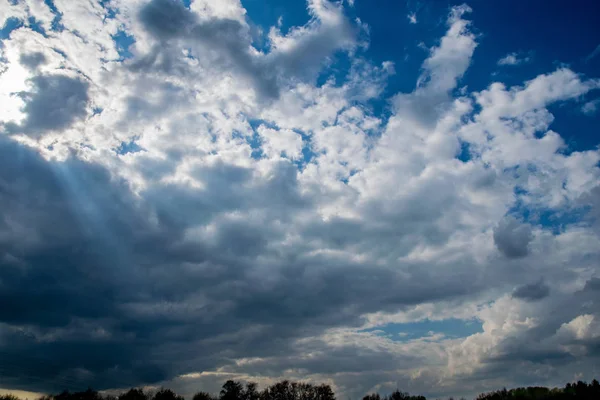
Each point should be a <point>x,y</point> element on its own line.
<point>367,195</point>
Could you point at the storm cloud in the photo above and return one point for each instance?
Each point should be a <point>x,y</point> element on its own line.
<point>532,291</point>
<point>235,198</point>
<point>512,238</point>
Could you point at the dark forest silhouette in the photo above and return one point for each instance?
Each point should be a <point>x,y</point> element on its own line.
<point>287,390</point>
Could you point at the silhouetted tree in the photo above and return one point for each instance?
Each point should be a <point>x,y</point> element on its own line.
<point>251,392</point>
<point>166,394</point>
<point>204,396</point>
<point>134,394</point>
<point>232,390</point>
<point>286,390</point>
<point>279,391</point>
<point>372,396</point>
<point>324,392</point>
<point>396,395</point>
<point>576,391</point>
<point>8,397</point>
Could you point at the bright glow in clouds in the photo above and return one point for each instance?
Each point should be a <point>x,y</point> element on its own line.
<point>186,198</point>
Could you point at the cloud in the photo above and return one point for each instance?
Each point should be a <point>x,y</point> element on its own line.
<point>166,19</point>
<point>590,107</point>
<point>280,142</point>
<point>441,71</point>
<point>412,18</point>
<point>33,60</point>
<point>54,102</point>
<point>296,55</point>
<point>271,224</point>
<point>512,238</point>
<point>513,59</point>
<point>592,284</point>
<point>532,292</point>
<point>560,85</point>
<point>449,61</point>
<point>593,54</point>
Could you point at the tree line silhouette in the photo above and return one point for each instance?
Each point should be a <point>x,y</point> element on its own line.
<point>287,390</point>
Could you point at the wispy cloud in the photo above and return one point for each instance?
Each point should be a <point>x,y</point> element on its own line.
<point>412,17</point>
<point>593,54</point>
<point>514,59</point>
<point>590,107</point>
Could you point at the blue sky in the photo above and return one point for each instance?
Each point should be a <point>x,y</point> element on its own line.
<point>453,328</point>
<point>376,194</point>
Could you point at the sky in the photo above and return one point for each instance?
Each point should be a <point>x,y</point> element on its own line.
<point>370,194</point>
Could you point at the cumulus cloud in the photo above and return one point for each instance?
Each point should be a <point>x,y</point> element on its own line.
<point>280,142</point>
<point>590,107</point>
<point>532,291</point>
<point>33,60</point>
<point>204,208</point>
<point>53,103</point>
<point>296,55</point>
<point>512,238</point>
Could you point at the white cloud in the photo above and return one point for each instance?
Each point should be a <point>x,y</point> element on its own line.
<point>223,258</point>
<point>412,18</point>
<point>590,107</point>
<point>276,143</point>
<point>449,61</point>
<point>513,59</point>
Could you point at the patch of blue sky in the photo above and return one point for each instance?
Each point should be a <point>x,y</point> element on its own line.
<point>252,140</point>
<point>58,51</point>
<point>123,41</point>
<point>464,154</point>
<point>10,25</point>
<point>56,25</point>
<point>580,132</point>
<point>111,12</point>
<point>450,328</point>
<point>389,28</point>
<point>307,153</point>
<point>267,13</point>
<point>555,220</point>
<point>128,147</point>
<point>336,68</point>
<point>255,123</point>
<point>36,26</point>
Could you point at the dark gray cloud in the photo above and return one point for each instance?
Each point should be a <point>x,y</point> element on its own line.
<point>532,291</point>
<point>60,265</point>
<point>54,103</point>
<point>512,238</point>
<point>592,285</point>
<point>32,60</point>
<point>166,19</point>
<point>109,289</point>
